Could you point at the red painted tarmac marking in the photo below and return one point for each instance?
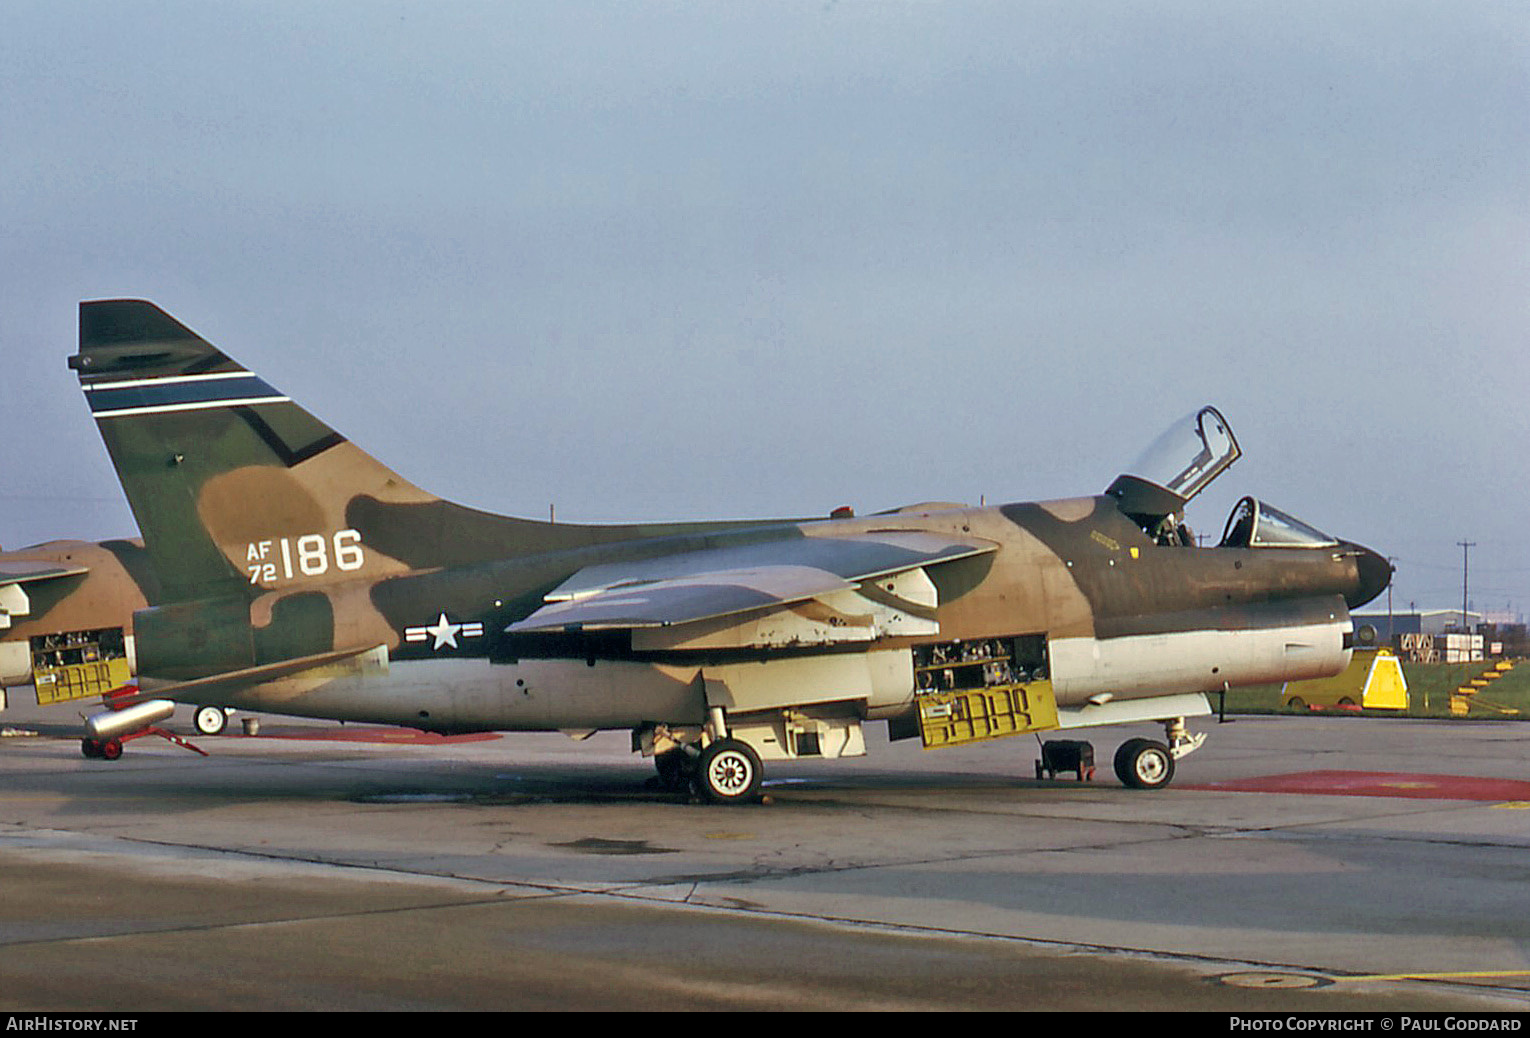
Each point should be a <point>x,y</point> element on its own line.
<point>404,736</point>
<point>1378,784</point>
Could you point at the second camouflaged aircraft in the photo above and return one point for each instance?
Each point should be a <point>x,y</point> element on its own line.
<point>301,576</point>
<point>65,616</point>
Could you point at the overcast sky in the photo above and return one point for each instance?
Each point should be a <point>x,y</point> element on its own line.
<point>676,260</point>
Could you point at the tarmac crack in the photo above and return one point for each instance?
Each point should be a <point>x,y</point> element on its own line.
<point>768,872</point>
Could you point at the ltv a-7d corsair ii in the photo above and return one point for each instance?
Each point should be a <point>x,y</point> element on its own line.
<point>65,617</point>
<point>301,576</point>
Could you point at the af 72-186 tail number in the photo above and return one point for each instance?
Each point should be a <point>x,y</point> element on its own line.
<point>307,555</point>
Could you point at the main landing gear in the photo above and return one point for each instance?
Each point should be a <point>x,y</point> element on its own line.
<point>725,771</point>
<point>728,772</point>
<point>705,761</point>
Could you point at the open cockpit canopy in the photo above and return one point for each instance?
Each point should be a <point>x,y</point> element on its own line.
<point>1178,465</point>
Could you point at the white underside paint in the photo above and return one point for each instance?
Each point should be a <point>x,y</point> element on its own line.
<point>548,695</point>
<point>879,679</point>
<point>1135,666</point>
<point>1131,711</point>
<point>781,737</point>
<point>472,694</point>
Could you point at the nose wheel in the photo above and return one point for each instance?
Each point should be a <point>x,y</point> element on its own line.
<point>1144,764</point>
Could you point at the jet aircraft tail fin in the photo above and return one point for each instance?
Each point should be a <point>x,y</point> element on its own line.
<point>237,489</point>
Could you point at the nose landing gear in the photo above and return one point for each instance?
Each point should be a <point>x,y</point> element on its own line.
<point>1149,764</point>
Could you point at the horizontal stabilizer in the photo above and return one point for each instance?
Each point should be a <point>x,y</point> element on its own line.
<point>211,688</point>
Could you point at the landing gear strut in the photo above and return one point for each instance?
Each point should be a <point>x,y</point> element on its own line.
<point>703,760</point>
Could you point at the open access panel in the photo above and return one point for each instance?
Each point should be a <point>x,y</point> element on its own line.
<point>987,688</point>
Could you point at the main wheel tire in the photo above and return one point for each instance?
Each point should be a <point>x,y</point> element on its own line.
<point>728,772</point>
<point>111,749</point>
<point>210,720</point>
<point>91,748</point>
<point>1144,764</point>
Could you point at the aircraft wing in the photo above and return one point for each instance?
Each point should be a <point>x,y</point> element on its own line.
<point>14,573</point>
<point>23,571</point>
<point>707,585</point>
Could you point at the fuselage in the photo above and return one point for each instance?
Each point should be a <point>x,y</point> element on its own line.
<point>1120,616</point>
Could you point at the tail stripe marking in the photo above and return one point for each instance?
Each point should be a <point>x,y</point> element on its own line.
<point>184,393</point>
<point>164,380</point>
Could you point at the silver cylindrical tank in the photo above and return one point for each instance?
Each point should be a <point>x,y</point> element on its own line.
<point>114,723</point>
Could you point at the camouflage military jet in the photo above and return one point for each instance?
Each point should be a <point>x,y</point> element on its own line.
<point>301,576</point>
<point>66,621</point>
<point>66,612</point>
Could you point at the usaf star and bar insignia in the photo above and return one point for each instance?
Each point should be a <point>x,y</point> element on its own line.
<point>444,633</point>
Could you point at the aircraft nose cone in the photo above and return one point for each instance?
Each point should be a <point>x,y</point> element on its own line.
<point>1372,572</point>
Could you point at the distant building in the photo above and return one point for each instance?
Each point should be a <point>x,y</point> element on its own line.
<point>1415,633</point>
<point>1505,639</point>
<point>1433,622</point>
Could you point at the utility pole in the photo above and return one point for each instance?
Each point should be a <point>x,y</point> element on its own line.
<point>1391,624</point>
<point>1466,548</point>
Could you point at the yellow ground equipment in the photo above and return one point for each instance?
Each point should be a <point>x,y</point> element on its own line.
<point>1464,698</point>
<point>1373,680</point>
